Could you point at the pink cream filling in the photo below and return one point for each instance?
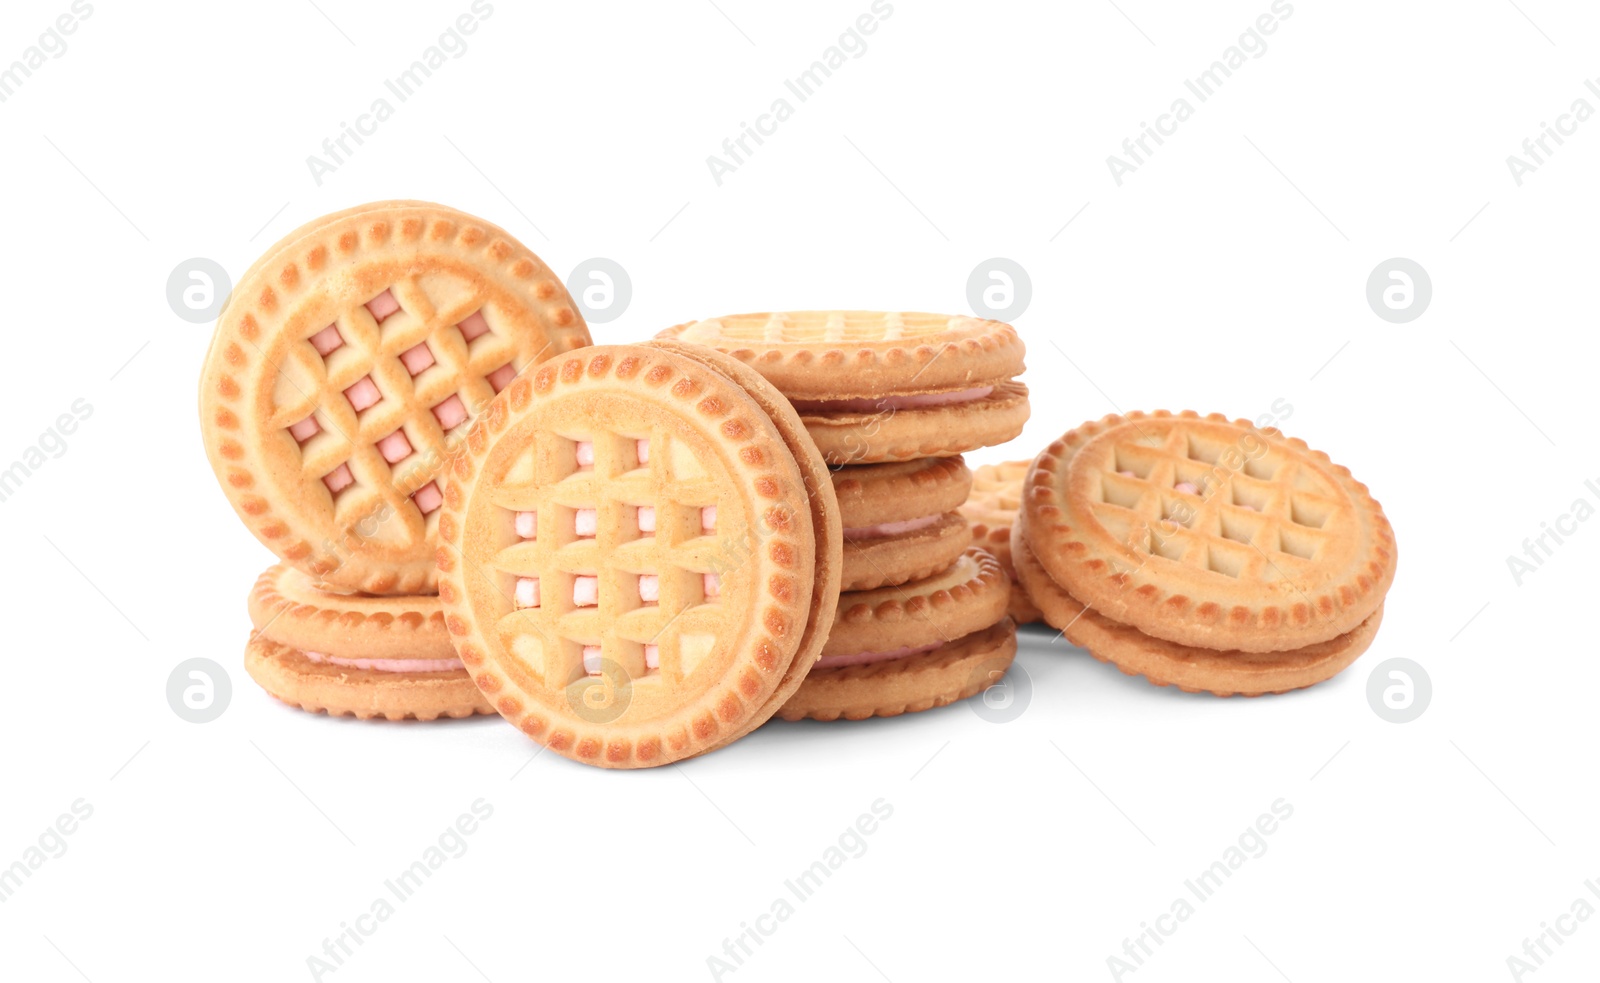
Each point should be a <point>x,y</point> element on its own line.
<point>395,447</point>
<point>417,357</point>
<point>876,404</point>
<point>382,306</point>
<point>473,326</point>
<point>883,529</point>
<point>428,498</point>
<point>451,413</point>
<point>388,665</point>
<point>339,479</point>
<point>865,658</point>
<point>363,393</point>
<point>501,377</point>
<point>585,591</point>
<point>327,340</point>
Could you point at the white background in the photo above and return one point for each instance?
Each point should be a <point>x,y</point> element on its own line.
<point>1224,274</point>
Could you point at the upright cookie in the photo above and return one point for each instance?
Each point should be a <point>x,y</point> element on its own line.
<point>900,519</point>
<point>990,512</point>
<point>912,647</point>
<point>629,554</point>
<point>874,387</point>
<point>1208,532</point>
<point>355,654</point>
<point>344,369</point>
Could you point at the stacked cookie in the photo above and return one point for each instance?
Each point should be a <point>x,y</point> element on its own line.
<point>353,359</point>
<point>990,511</point>
<point>1209,554</point>
<point>891,401</point>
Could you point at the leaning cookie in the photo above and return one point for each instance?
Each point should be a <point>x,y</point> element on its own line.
<point>881,386</point>
<point>900,519</point>
<point>354,654</point>
<point>345,371</point>
<point>913,647</point>
<point>990,512</point>
<point>640,553</point>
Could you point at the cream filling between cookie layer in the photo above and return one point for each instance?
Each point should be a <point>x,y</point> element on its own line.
<point>874,404</point>
<point>864,658</point>
<point>388,665</point>
<point>884,529</point>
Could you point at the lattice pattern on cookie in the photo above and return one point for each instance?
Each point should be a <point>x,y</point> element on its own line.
<point>822,327</point>
<point>1174,496</point>
<point>371,398</point>
<point>612,530</point>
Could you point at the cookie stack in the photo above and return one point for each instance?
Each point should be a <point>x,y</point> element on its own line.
<point>351,362</point>
<point>891,401</point>
<point>990,512</point>
<point>1205,553</point>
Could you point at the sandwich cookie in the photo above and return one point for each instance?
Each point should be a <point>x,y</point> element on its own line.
<point>639,554</point>
<point>920,645</point>
<point>1207,534</point>
<point>874,387</point>
<point>345,368</point>
<point>990,512</point>
<point>1191,669</point>
<point>900,519</point>
<point>355,654</point>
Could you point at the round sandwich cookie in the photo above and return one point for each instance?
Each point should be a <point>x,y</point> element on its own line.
<point>355,654</point>
<point>1207,532</point>
<point>344,370</point>
<point>1191,669</point>
<point>639,553</point>
<point>990,512</point>
<point>875,386</point>
<point>900,519</point>
<point>920,645</point>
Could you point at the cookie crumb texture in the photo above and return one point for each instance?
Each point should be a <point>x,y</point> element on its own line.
<point>656,603</point>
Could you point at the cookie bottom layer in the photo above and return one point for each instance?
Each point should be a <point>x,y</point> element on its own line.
<point>951,672</point>
<point>321,687</point>
<point>891,560</point>
<point>1021,607</point>
<point>1193,670</point>
<point>931,431</point>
